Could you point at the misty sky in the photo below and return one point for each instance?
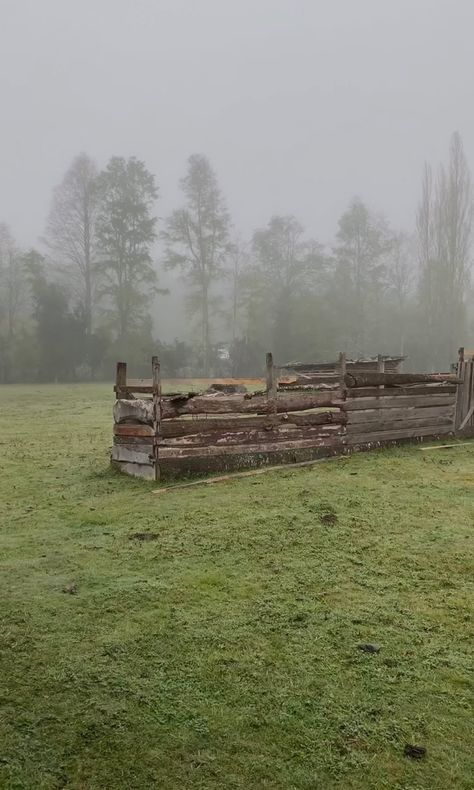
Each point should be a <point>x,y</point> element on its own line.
<point>300,104</point>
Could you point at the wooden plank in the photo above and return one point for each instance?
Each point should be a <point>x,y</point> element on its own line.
<point>143,440</point>
<point>402,425</point>
<point>184,426</point>
<point>136,410</point>
<point>135,454</point>
<point>238,475</point>
<point>309,380</point>
<point>249,449</point>
<point>246,404</point>
<point>130,429</point>
<point>408,413</point>
<point>144,471</point>
<point>181,467</point>
<point>400,401</point>
<point>252,436</point>
<point>390,436</point>
<point>356,379</point>
<point>414,389</point>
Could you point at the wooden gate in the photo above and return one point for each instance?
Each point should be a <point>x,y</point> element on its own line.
<point>465,395</point>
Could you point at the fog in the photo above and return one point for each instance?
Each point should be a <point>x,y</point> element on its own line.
<point>300,105</point>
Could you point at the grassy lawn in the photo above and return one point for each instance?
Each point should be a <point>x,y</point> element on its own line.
<point>224,653</point>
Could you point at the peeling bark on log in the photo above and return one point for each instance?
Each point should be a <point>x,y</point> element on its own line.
<point>248,449</point>
<point>254,437</point>
<point>239,404</point>
<point>400,401</point>
<point>185,426</point>
<point>362,379</point>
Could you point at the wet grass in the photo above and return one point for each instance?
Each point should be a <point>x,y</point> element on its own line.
<point>224,653</point>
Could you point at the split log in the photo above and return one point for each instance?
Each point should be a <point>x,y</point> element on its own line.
<point>137,410</point>
<point>414,389</point>
<point>390,436</point>
<point>133,453</point>
<point>131,429</point>
<point>408,413</point>
<point>401,425</point>
<point>182,467</point>
<point>144,471</point>
<point>249,449</point>
<point>391,363</point>
<point>369,379</point>
<point>399,401</point>
<point>246,404</point>
<point>137,440</point>
<point>185,426</point>
<point>253,437</point>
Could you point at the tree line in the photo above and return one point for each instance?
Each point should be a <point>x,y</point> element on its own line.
<point>90,293</point>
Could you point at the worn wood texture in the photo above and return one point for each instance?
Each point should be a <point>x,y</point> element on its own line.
<point>133,429</point>
<point>372,437</point>
<point>391,364</point>
<point>253,436</point>
<point>377,379</point>
<point>246,404</point>
<point>400,401</point>
<point>143,440</point>
<point>144,471</point>
<point>121,374</point>
<point>404,415</point>
<point>400,425</point>
<point>250,449</point>
<point>182,467</point>
<point>185,425</point>
<point>133,453</point>
<point>136,410</point>
<point>414,389</point>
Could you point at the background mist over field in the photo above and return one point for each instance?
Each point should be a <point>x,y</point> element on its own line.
<point>303,111</point>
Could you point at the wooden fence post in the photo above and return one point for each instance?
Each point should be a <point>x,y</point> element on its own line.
<point>342,372</point>
<point>156,381</point>
<point>380,367</point>
<point>272,384</point>
<point>120,377</point>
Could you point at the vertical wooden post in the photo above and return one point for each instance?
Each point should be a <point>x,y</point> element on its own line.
<point>342,372</point>
<point>272,383</point>
<point>156,383</point>
<point>120,377</point>
<point>380,367</point>
<point>460,390</point>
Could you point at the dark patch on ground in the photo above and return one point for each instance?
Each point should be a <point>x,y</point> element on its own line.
<point>143,536</point>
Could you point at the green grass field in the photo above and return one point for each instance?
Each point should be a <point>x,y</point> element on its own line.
<point>224,653</point>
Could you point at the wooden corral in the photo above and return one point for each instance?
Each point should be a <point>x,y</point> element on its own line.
<point>158,435</point>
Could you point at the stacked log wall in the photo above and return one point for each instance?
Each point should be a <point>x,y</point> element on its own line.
<point>159,435</point>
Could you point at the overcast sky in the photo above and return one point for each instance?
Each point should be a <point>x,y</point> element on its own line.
<point>300,104</point>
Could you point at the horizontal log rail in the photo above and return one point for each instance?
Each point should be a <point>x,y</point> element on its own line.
<point>369,379</point>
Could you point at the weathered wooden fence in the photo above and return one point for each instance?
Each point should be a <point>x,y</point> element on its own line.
<point>299,418</point>
<point>465,400</point>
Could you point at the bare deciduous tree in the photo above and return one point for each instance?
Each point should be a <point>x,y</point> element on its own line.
<point>197,241</point>
<point>70,232</point>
